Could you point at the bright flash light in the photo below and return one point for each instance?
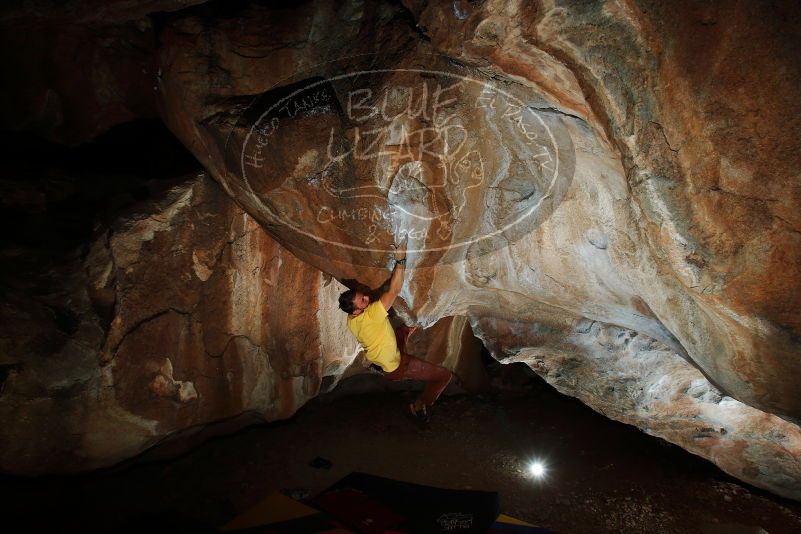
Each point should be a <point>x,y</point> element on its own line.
<point>536,469</point>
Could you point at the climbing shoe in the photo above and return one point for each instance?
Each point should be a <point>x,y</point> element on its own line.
<point>418,417</point>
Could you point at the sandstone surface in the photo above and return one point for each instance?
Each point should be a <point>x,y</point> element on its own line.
<point>184,316</point>
<point>648,210</point>
<point>607,191</point>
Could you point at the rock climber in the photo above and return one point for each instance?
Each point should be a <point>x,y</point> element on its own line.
<point>386,348</point>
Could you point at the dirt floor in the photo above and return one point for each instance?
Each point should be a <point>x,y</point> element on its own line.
<point>602,476</point>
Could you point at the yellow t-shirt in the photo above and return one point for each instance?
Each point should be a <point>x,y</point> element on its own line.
<point>372,329</point>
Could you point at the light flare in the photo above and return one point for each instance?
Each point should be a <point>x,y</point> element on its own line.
<point>536,469</point>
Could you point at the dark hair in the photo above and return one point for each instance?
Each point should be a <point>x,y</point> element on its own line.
<point>346,301</point>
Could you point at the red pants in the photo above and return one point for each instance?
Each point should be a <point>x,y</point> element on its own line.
<point>411,368</point>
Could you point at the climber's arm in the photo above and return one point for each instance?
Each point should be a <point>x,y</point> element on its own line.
<point>396,282</point>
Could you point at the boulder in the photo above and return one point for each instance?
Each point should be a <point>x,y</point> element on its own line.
<point>183,313</point>
<point>607,191</point>
<point>611,163</point>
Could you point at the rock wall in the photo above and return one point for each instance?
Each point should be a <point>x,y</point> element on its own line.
<point>607,191</point>
<point>632,378</point>
<point>569,163</point>
<point>185,313</point>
